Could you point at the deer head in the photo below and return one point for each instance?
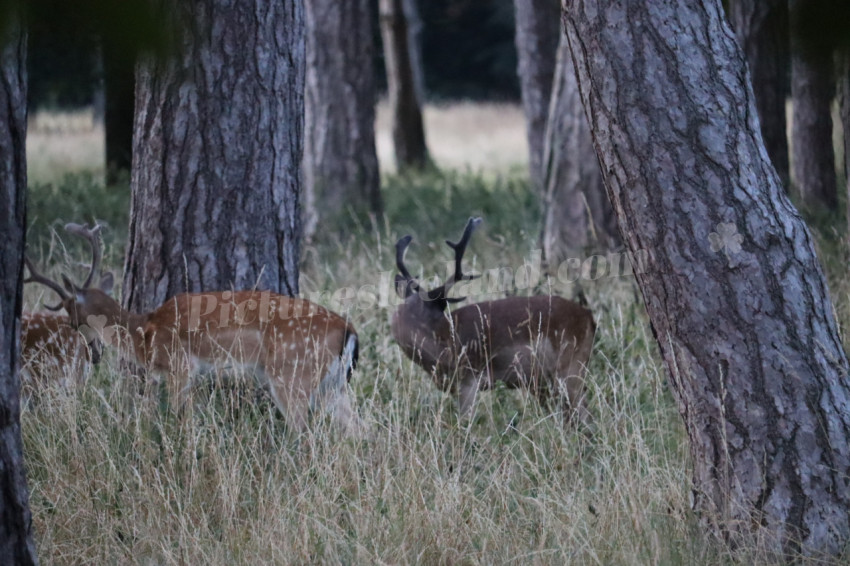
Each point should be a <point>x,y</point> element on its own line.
<point>82,301</point>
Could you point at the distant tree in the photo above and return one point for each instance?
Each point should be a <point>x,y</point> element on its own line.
<point>16,543</point>
<point>216,177</point>
<point>415,27</point>
<point>537,34</point>
<point>762,29</point>
<point>408,131</point>
<point>340,162</point>
<point>812,89</point>
<point>733,289</point>
<point>576,206</point>
<point>844,105</point>
<point>119,91</point>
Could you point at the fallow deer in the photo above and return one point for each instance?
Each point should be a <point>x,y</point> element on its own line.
<point>301,351</point>
<point>53,352</point>
<point>541,343</point>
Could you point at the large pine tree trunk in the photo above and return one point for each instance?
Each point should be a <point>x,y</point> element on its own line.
<point>537,34</point>
<point>575,203</point>
<point>812,89</point>
<point>216,174</point>
<point>16,544</point>
<point>761,27</point>
<point>340,162</point>
<point>735,294</point>
<point>408,130</point>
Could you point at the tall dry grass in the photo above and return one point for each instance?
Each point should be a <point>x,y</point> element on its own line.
<point>117,478</point>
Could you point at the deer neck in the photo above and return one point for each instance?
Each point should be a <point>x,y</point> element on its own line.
<point>424,334</point>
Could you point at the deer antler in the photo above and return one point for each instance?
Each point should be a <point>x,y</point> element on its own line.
<point>36,277</point>
<point>409,281</point>
<point>93,237</point>
<point>460,248</point>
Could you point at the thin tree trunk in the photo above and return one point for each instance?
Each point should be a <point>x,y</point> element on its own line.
<point>216,177</point>
<point>16,543</point>
<point>119,91</point>
<point>844,105</point>
<point>340,162</point>
<point>537,38</point>
<point>408,130</point>
<point>735,294</point>
<point>761,27</point>
<point>414,47</point>
<point>812,90</point>
<point>576,204</point>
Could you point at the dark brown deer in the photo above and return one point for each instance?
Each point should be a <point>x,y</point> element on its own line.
<point>540,343</point>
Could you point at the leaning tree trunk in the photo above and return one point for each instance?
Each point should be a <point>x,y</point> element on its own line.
<point>735,294</point>
<point>812,89</point>
<point>217,154</point>
<point>761,27</point>
<point>16,544</point>
<point>408,130</point>
<point>340,163</point>
<point>537,33</point>
<point>575,203</point>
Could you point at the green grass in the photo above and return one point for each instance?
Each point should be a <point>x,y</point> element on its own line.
<point>116,478</point>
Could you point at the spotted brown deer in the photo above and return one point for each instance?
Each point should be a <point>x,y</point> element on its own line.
<point>53,352</point>
<point>301,351</point>
<point>540,343</point>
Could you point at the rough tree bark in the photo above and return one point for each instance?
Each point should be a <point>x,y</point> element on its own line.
<point>408,130</point>
<point>340,162</point>
<point>216,177</point>
<point>537,37</point>
<point>571,176</point>
<point>16,543</point>
<point>735,294</point>
<point>761,27</point>
<point>812,89</point>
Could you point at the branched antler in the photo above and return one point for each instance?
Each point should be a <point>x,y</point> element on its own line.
<point>93,237</point>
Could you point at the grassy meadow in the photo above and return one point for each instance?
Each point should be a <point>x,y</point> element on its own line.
<point>117,478</point>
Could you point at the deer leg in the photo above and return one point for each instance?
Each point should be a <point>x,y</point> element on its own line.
<point>468,393</point>
<point>290,400</point>
<point>571,391</point>
<point>332,397</point>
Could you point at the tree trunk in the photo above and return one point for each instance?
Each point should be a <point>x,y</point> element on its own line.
<point>340,162</point>
<point>812,90</point>
<point>761,27</point>
<point>218,139</point>
<point>414,47</point>
<point>16,544</point>
<point>408,130</point>
<point>844,105</point>
<point>118,84</point>
<point>735,294</point>
<point>571,175</point>
<point>537,35</point>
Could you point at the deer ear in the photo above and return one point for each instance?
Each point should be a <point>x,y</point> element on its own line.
<point>107,281</point>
